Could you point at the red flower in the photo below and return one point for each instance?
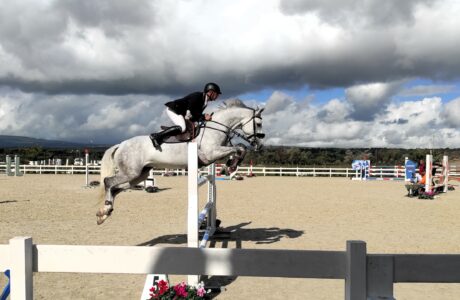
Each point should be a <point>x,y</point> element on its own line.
<point>163,287</point>
<point>180,290</point>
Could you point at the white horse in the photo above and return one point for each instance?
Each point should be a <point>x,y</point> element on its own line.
<point>128,163</point>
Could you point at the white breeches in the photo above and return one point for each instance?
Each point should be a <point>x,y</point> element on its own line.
<point>177,119</point>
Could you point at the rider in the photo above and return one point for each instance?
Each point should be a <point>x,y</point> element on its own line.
<point>191,108</point>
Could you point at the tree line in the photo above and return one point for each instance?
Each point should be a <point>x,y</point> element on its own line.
<point>268,156</point>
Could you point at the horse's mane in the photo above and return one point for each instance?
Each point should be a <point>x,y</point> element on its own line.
<point>232,103</point>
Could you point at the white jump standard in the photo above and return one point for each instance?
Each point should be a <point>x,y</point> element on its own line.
<point>203,223</point>
<point>8,170</point>
<point>207,216</point>
<point>441,186</point>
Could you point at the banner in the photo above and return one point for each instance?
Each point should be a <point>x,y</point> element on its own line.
<point>410,169</point>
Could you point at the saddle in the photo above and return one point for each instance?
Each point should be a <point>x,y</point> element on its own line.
<point>191,132</point>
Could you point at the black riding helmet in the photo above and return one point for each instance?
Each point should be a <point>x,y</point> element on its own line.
<point>211,86</point>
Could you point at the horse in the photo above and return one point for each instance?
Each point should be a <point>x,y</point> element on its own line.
<point>125,165</point>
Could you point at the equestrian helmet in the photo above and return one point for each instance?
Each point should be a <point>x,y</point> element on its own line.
<point>211,86</point>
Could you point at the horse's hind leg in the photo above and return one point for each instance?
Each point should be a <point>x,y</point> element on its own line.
<point>142,177</point>
<point>112,188</point>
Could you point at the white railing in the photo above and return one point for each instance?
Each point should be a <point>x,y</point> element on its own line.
<point>367,276</point>
<point>376,171</point>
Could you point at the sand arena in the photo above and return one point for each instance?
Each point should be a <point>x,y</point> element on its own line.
<point>266,212</point>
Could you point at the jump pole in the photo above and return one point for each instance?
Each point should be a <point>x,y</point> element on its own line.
<point>195,219</point>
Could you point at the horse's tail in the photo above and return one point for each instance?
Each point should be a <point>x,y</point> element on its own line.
<point>107,169</point>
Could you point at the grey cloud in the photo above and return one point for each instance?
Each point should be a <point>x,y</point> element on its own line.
<point>101,119</point>
<point>113,16</point>
<point>352,12</point>
<point>394,137</point>
<point>398,121</point>
<point>277,102</point>
<point>162,47</point>
<point>427,90</point>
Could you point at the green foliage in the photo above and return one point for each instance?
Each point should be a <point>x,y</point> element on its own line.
<point>268,156</point>
<point>295,156</point>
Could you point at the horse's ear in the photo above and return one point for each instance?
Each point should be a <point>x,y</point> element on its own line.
<point>259,111</point>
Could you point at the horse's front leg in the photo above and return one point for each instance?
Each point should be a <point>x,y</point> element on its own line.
<point>208,157</point>
<point>235,161</point>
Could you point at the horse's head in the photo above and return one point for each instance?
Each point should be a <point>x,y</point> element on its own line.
<point>252,128</point>
<point>241,121</point>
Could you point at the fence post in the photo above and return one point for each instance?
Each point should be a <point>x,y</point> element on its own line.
<point>21,253</point>
<point>355,276</point>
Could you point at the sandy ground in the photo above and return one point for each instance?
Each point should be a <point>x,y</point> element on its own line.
<point>268,212</point>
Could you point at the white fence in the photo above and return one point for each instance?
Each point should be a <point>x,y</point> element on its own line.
<point>367,276</point>
<point>376,171</point>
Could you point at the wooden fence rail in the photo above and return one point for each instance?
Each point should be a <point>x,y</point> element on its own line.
<point>366,276</point>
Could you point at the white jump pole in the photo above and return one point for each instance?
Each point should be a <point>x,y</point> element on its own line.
<point>8,166</point>
<point>194,218</point>
<point>192,228</point>
<point>17,167</point>
<point>445,172</point>
<point>428,176</point>
<point>86,165</point>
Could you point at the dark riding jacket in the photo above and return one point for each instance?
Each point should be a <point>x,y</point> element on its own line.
<point>193,102</point>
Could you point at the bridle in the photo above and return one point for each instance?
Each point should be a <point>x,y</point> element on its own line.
<point>231,132</point>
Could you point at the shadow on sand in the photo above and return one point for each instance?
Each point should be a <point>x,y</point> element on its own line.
<point>238,235</point>
<point>12,201</point>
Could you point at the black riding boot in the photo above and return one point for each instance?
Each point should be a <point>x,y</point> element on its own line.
<point>158,137</point>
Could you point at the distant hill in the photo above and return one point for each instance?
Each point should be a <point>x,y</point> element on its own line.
<point>10,141</point>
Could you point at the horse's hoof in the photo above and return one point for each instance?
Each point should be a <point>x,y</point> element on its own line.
<point>102,215</point>
<point>101,219</point>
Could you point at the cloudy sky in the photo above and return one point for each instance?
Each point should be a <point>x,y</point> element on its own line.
<point>331,73</point>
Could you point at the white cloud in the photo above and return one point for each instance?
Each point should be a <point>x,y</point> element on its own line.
<point>423,123</point>
<point>369,99</point>
<point>452,113</point>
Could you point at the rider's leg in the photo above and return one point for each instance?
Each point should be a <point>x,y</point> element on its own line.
<point>177,119</point>
<point>159,137</point>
